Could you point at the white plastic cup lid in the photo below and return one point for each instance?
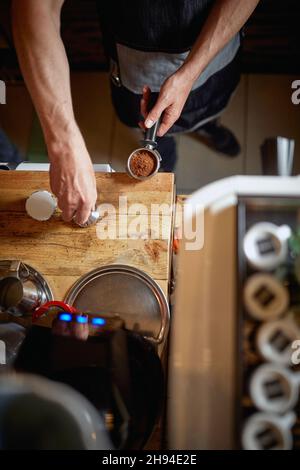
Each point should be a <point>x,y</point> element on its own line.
<point>41,205</point>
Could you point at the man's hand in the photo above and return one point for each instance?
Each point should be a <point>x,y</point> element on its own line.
<point>72,180</point>
<point>170,102</point>
<point>225,19</point>
<point>43,59</point>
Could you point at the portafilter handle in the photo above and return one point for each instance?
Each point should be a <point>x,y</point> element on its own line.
<point>150,140</point>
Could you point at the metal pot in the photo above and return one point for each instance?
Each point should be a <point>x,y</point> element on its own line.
<point>22,289</point>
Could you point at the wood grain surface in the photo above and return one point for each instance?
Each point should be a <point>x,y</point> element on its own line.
<point>63,252</point>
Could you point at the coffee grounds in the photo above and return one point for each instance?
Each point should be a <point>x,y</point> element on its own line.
<point>143,164</point>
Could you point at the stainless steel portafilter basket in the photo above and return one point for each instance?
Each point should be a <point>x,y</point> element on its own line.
<point>149,145</point>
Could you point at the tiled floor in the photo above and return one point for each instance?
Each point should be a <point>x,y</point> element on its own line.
<point>260,108</point>
<point>94,113</point>
<point>199,165</point>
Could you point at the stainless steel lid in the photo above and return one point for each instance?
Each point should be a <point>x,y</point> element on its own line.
<point>128,292</point>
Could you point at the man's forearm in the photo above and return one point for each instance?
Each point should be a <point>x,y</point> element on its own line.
<point>42,56</point>
<point>226,18</point>
<point>36,27</point>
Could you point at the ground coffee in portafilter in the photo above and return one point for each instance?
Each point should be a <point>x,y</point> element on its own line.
<point>143,163</point>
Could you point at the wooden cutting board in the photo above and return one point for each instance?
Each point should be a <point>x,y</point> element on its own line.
<point>63,252</point>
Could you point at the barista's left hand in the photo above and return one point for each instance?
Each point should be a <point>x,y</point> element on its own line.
<point>170,102</point>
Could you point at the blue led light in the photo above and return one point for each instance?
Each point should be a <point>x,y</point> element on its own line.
<point>65,317</point>
<point>81,319</point>
<point>98,321</point>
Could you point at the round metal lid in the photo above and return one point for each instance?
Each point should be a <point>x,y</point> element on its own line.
<point>128,292</point>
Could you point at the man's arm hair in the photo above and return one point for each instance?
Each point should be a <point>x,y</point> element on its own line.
<point>43,60</point>
<point>45,67</point>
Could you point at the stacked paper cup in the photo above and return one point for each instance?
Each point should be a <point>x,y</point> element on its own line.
<point>273,386</point>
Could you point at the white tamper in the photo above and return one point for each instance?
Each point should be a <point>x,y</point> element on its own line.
<point>41,205</point>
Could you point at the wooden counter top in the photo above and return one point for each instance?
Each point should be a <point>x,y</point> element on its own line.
<point>63,252</point>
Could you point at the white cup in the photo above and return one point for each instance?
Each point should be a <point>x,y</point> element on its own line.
<point>264,431</point>
<point>265,298</point>
<point>275,338</point>
<point>266,245</point>
<point>274,388</point>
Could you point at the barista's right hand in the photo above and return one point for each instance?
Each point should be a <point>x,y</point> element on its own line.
<point>72,178</point>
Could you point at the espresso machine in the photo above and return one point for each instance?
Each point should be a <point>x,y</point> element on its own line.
<point>234,370</point>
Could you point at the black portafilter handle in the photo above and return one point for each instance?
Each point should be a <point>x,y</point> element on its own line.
<point>150,134</point>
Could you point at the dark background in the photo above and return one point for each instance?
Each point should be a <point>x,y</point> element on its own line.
<point>271,44</point>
